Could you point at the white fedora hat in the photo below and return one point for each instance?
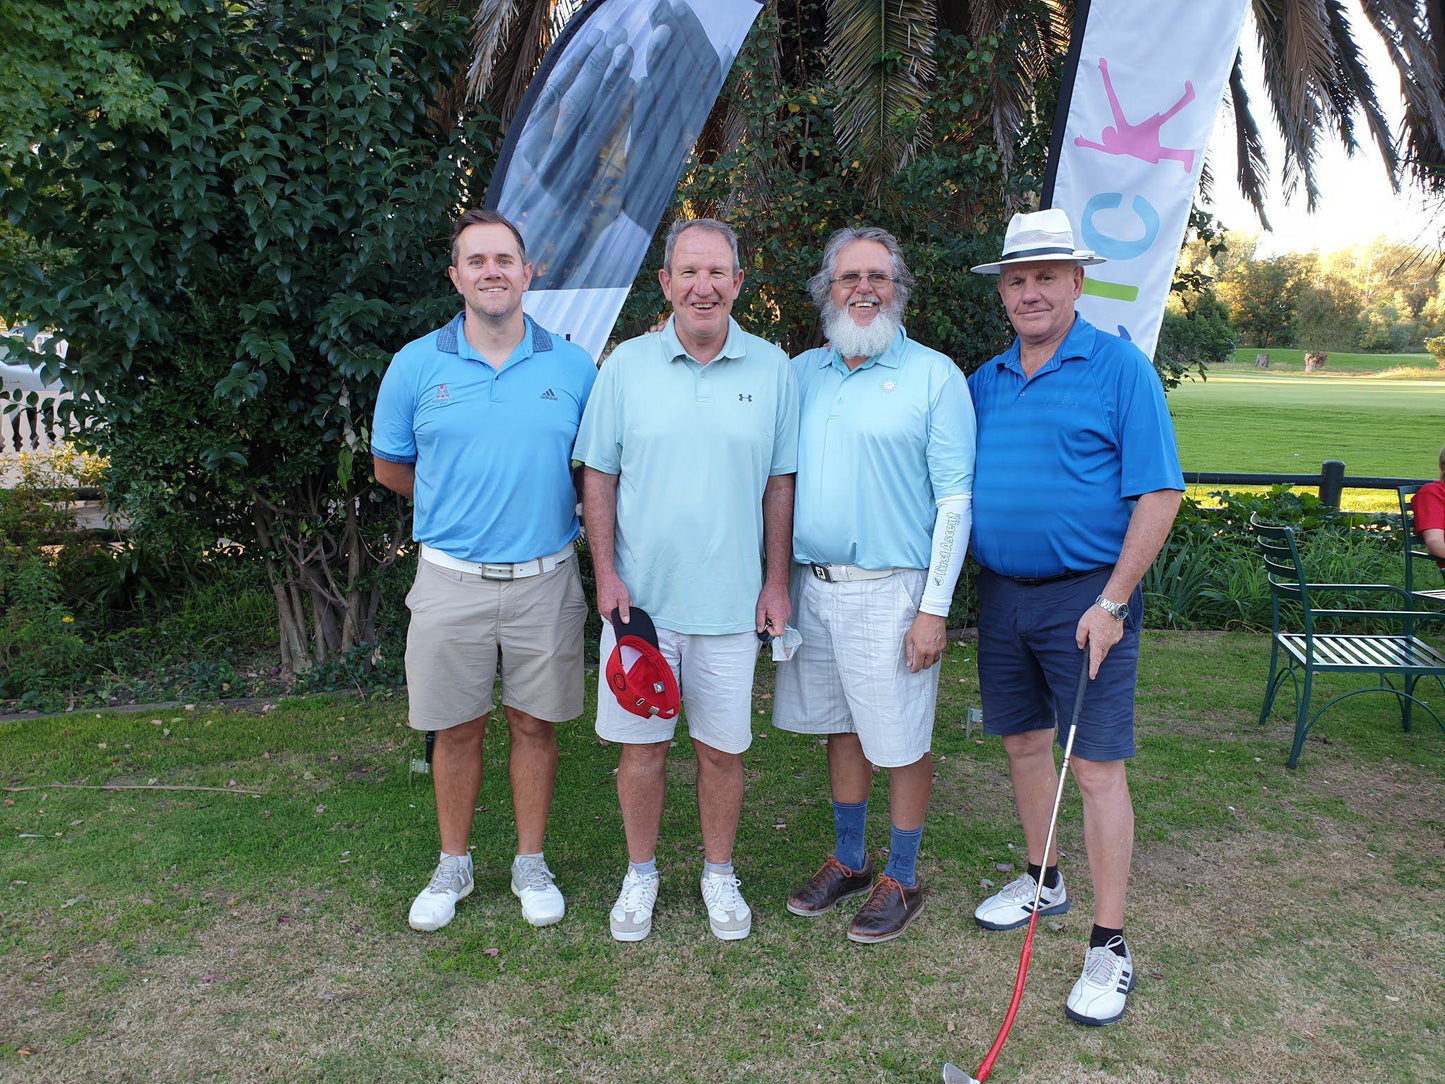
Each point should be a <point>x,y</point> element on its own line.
<point>1036,237</point>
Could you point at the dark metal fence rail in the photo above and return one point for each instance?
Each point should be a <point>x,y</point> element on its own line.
<point>1331,480</point>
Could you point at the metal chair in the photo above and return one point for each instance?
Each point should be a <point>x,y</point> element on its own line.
<point>1415,550</point>
<point>1310,652</point>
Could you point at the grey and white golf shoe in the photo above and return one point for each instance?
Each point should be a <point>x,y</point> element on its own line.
<point>1010,907</point>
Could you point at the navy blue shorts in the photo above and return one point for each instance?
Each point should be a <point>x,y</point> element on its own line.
<point>1028,663</point>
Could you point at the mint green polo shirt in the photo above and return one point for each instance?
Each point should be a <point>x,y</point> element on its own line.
<point>878,447</point>
<point>693,447</point>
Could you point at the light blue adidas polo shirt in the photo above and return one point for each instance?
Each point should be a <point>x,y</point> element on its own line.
<point>877,448</point>
<point>492,447</point>
<point>694,446</point>
<point>1063,455</point>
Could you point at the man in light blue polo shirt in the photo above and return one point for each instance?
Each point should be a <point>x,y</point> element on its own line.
<point>476,423</point>
<point>1078,484</point>
<point>885,474</point>
<point>690,445</point>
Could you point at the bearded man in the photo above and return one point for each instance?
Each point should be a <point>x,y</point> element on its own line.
<point>880,526</point>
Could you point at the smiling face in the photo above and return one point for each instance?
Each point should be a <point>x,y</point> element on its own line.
<point>702,283</point>
<point>489,272</point>
<point>864,301</point>
<point>1039,299</point>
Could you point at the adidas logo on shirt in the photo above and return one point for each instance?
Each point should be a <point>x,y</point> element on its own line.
<point>550,394</point>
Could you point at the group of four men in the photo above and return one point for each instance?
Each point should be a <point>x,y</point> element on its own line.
<point>731,494</point>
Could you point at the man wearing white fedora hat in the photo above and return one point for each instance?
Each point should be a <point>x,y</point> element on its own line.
<point>1077,484</point>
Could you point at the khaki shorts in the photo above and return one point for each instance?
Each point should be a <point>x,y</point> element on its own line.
<point>850,674</point>
<point>460,622</point>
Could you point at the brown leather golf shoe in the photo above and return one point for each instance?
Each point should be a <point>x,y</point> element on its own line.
<point>887,912</point>
<point>833,882</point>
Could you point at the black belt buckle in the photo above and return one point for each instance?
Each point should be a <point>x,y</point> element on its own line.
<point>821,571</point>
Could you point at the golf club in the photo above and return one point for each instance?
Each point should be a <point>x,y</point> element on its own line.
<point>952,1074</point>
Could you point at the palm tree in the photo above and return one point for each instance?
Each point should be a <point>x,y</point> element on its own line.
<point>880,60</point>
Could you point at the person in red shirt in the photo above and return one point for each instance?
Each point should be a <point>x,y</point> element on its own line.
<point>1430,515</point>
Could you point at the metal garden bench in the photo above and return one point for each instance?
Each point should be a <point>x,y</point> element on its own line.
<point>1309,652</point>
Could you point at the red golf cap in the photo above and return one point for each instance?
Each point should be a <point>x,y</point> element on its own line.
<point>636,671</point>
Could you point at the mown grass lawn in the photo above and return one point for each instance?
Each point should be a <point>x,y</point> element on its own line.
<point>1288,926</point>
<point>1282,423</point>
<point>1293,360</point>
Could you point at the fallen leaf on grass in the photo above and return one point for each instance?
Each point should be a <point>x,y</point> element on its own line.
<point>985,883</point>
<point>26,1051</point>
<point>321,809</point>
<point>71,902</point>
<point>1156,974</point>
<point>950,1027</point>
<point>1003,867</point>
<point>491,952</point>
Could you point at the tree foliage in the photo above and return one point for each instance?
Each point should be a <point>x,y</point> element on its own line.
<point>234,263</point>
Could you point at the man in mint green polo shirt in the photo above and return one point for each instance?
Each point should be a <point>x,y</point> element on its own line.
<point>690,444</point>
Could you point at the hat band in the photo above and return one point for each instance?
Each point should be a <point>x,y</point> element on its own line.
<point>1063,250</point>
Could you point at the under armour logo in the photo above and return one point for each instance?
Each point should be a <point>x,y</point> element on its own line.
<point>744,398</point>
<point>550,394</point>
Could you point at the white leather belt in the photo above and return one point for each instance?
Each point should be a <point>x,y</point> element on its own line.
<point>848,573</point>
<point>493,571</point>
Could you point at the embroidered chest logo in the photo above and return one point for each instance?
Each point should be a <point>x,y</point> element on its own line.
<point>550,394</point>
<point>442,393</point>
<point>744,398</point>
<point>889,385</point>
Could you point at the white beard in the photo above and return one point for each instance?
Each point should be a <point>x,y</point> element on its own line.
<point>852,341</point>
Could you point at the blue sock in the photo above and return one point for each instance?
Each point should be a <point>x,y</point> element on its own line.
<point>642,869</point>
<point>903,855</point>
<point>850,821</point>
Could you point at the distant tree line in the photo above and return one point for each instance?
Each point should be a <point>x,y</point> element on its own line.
<point>1382,297</point>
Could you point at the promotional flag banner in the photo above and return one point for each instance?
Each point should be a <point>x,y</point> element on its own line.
<point>1140,94</point>
<point>595,152</point>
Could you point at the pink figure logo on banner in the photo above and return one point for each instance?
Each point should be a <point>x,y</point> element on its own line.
<point>1139,140</point>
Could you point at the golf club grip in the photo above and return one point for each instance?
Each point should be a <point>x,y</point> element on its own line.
<point>1083,688</point>
<point>1013,1006</point>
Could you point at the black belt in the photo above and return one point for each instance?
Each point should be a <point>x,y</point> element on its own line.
<point>1060,578</point>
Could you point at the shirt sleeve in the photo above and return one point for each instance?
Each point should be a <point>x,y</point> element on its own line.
<point>952,435</point>
<point>785,426</point>
<point>1430,508</point>
<point>393,432</point>
<point>1148,453</point>
<point>599,439</point>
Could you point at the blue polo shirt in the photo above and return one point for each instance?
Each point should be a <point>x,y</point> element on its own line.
<point>694,446</point>
<point>492,447</point>
<point>877,448</point>
<point>1062,456</point>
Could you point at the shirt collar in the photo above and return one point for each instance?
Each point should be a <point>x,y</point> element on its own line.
<point>453,340</point>
<point>891,358</point>
<point>733,346</point>
<point>1078,344</point>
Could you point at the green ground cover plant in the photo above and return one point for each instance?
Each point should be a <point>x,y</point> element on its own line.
<point>1281,920</point>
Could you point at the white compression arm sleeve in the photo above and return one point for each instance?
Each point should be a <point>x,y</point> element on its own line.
<point>950,542</point>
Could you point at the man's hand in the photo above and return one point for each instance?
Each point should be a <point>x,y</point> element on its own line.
<point>774,609</point>
<point>1100,630</point>
<point>612,595</point>
<point>926,639</point>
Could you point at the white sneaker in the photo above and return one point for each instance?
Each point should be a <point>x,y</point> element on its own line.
<point>1099,995</point>
<point>542,902</point>
<point>1010,907</point>
<point>727,912</point>
<point>631,917</point>
<point>437,904</point>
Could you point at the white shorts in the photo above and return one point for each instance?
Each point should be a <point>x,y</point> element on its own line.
<point>714,675</point>
<point>850,675</point>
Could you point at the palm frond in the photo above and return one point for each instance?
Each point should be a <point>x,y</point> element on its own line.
<point>1417,51</point>
<point>1295,46</point>
<point>1253,174</point>
<point>509,39</point>
<point>880,57</point>
<point>1353,86</point>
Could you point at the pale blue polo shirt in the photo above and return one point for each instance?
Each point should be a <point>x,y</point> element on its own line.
<point>693,446</point>
<point>878,447</point>
<point>1063,455</point>
<point>492,447</point>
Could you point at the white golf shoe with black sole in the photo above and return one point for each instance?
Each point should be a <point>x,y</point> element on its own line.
<point>1099,996</point>
<point>1010,907</point>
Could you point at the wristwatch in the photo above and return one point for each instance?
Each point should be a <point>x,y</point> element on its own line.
<point>1117,610</point>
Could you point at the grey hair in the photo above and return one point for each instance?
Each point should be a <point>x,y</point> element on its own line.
<point>710,225</point>
<point>820,286</point>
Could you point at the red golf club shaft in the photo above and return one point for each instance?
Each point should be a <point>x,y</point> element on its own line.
<point>1013,1005</point>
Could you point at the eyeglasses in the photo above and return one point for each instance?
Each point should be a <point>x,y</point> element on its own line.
<point>851,279</point>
